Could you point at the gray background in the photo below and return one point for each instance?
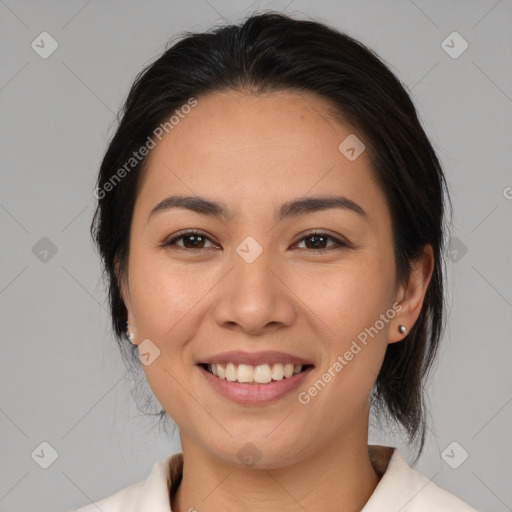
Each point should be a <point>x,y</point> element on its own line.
<point>62,379</point>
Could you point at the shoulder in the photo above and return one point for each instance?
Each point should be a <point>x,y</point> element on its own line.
<point>122,500</point>
<point>404,489</point>
<point>151,494</point>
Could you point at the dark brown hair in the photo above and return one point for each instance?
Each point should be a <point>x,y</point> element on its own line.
<point>273,52</point>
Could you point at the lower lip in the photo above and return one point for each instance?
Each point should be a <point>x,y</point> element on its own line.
<point>255,394</point>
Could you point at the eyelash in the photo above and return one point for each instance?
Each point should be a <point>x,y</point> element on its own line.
<point>339,244</point>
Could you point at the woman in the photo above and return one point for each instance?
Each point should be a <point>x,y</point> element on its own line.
<point>271,219</point>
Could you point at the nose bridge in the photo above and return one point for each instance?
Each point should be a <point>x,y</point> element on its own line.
<point>251,273</point>
<point>253,296</point>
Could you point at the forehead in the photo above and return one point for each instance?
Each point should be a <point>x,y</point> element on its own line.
<point>244,148</point>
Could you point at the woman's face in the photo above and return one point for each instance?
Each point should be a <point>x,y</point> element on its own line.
<point>257,282</point>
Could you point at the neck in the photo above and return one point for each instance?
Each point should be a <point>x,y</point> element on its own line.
<point>340,476</point>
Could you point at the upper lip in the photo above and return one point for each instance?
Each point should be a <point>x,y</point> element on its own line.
<point>254,358</point>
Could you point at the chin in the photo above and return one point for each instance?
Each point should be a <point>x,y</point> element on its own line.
<point>260,451</point>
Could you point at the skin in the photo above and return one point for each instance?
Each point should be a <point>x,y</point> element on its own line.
<point>253,153</point>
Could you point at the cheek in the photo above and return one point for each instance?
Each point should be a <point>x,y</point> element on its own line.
<point>163,296</point>
<point>354,307</point>
<point>347,297</point>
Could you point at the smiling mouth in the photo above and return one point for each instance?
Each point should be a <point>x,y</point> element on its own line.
<point>261,374</point>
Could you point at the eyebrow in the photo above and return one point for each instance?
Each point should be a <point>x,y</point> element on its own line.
<point>291,208</point>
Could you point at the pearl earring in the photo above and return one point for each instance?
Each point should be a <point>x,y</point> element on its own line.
<point>402,329</point>
<point>129,333</point>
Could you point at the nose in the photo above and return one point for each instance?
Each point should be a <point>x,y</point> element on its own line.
<point>254,297</point>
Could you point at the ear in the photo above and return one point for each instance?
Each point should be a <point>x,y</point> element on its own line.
<point>125,294</point>
<point>412,294</point>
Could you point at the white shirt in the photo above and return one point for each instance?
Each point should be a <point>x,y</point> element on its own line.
<point>400,489</point>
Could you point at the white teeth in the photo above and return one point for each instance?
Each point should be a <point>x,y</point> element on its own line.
<point>262,374</point>
<point>244,373</point>
<point>278,371</point>
<point>288,370</point>
<point>230,372</point>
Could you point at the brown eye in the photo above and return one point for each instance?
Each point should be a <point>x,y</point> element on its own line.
<point>192,240</point>
<point>195,241</point>
<point>317,241</point>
